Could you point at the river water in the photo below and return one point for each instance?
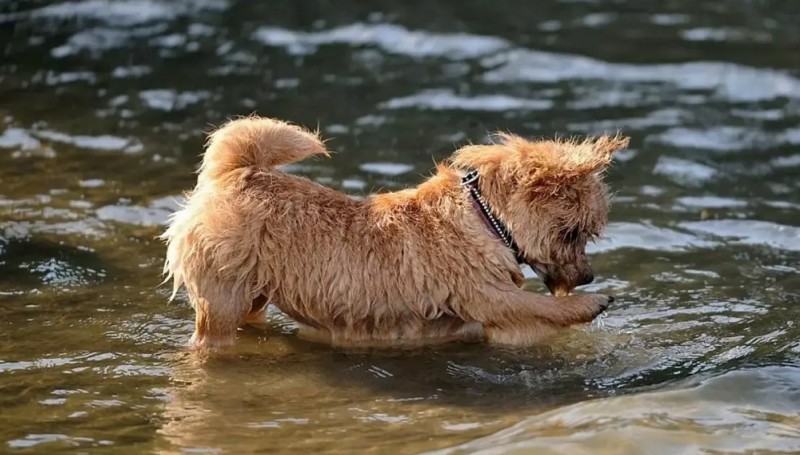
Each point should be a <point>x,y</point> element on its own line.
<point>103,110</point>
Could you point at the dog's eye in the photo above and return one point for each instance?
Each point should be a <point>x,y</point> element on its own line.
<point>572,236</point>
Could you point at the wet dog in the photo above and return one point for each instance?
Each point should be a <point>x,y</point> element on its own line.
<point>434,263</point>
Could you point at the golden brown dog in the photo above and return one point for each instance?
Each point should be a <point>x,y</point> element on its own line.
<point>421,265</point>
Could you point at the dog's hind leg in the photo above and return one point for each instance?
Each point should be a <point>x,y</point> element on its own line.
<point>518,317</point>
<point>218,316</point>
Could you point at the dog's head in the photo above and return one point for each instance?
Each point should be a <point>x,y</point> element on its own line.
<point>551,196</point>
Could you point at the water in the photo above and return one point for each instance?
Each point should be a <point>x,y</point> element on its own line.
<point>103,108</point>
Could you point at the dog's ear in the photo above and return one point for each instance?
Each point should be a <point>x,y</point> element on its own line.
<point>561,161</point>
<point>556,162</point>
<point>591,155</point>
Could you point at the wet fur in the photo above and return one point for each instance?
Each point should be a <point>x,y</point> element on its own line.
<point>408,267</point>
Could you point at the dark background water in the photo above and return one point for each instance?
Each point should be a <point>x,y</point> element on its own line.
<point>103,110</point>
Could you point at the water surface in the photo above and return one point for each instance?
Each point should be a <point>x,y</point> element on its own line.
<point>103,110</point>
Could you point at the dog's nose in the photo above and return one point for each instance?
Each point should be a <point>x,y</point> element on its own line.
<point>588,278</point>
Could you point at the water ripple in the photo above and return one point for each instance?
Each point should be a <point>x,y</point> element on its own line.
<point>391,38</point>
<point>728,81</point>
<point>751,410</point>
<point>750,232</point>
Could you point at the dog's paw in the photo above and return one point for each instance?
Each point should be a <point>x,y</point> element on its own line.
<point>584,308</point>
<point>603,302</point>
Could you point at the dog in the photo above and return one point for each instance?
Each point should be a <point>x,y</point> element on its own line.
<point>436,263</point>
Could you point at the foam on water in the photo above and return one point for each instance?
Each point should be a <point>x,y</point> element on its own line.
<point>447,100</point>
<point>711,202</point>
<point>391,38</point>
<point>728,34</point>
<point>386,168</point>
<point>718,139</point>
<point>684,172</point>
<point>644,236</point>
<point>750,232</point>
<point>728,81</point>
<point>170,100</point>
<point>656,118</point>
<point>85,227</point>
<point>59,273</point>
<point>125,12</point>
<point>103,142</point>
<point>669,19</point>
<point>95,40</point>
<point>18,138</point>
<point>786,161</point>
<point>155,214</point>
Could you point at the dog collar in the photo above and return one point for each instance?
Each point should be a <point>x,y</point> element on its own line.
<point>470,182</point>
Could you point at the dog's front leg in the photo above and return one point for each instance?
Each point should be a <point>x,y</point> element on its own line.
<point>518,317</point>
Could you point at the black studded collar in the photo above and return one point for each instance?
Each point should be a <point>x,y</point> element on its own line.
<point>470,183</point>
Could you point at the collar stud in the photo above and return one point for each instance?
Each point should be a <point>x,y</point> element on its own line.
<point>470,182</point>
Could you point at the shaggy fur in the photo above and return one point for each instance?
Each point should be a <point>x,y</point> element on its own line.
<point>409,267</point>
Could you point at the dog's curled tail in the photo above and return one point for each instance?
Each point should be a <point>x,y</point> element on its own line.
<point>257,142</point>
